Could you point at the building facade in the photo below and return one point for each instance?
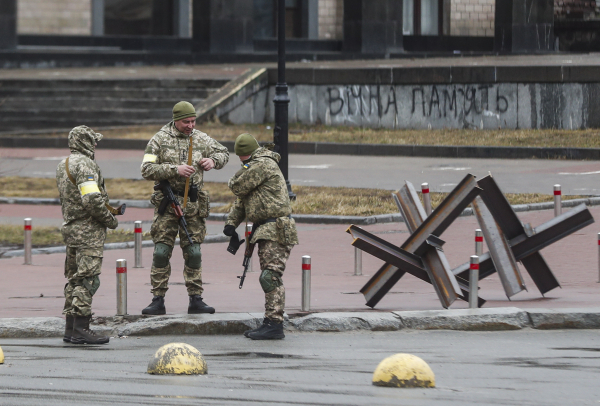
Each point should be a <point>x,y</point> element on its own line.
<point>146,17</point>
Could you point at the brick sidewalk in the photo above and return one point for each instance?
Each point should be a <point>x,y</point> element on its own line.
<point>573,260</point>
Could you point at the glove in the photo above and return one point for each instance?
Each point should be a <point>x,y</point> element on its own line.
<point>229,230</point>
<point>112,223</point>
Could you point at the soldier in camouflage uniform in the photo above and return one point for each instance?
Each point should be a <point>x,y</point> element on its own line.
<point>262,198</point>
<point>166,157</point>
<point>86,218</point>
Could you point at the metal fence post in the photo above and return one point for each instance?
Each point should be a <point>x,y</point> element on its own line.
<point>557,201</point>
<point>357,261</point>
<point>27,241</point>
<point>598,257</point>
<point>247,234</point>
<point>137,240</point>
<point>478,242</point>
<point>473,281</point>
<point>306,269</point>
<point>121,287</point>
<point>426,198</point>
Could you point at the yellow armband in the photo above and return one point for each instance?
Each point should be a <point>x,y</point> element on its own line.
<point>149,158</point>
<point>88,187</point>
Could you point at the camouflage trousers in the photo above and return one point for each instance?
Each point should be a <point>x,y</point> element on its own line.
<point>273,256</point>
<point>164,230</point>
<point>82,270</point>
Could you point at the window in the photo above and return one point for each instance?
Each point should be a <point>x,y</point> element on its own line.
<point>421,17</point>
<point>138,17</point>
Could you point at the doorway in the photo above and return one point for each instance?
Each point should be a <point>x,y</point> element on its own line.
<point>422,17</point>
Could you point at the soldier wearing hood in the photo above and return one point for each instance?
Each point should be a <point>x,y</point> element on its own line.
<point>166,158</point>
<point>86,217</point>
<point>262,198</point>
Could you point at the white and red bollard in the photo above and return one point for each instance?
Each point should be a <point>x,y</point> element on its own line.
<point>306,270</point>
<point>121,287</point>
<point>27,242</point>
<point>557,201</point>
<point>473,281</point>
<point>357,261</point>
<point>137,244</point>
<point>598,257</point>
<point>426,198</point>
<point>478,242</point>
<point>248,232</point>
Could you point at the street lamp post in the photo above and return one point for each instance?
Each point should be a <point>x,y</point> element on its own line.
<point>282,100</point>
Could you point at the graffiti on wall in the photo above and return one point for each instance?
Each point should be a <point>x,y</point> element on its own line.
<point>427,101</point>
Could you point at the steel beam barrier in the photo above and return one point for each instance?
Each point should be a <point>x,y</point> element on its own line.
<point>500,251</point>
<point>452,206</point>
<point>513,228</point>
<point>526,247</point>
<point>440,273</point>
<point>398,263</point>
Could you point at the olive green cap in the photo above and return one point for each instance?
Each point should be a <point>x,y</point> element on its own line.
<point>183,110</point>
<point>245,144</point>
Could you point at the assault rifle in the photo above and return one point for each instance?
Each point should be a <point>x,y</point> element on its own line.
<point>235,243</point>
<point>248,254</point>
<point>169,199</point>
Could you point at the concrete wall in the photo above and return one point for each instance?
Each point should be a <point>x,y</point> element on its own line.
<point>65,17</point>
<point>472,17</point>
<point>487,106</point>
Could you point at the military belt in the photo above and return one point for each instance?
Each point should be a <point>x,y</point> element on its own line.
<point>270,220</point>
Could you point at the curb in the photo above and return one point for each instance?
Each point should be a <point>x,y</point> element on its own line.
<point>209,239</point>
<point>493,319</point>
<point>321,219</point>
<point>331,148</point>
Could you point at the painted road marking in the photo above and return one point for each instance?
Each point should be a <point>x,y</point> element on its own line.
<point>579,173</point>
<point>451,168</point>
<point>324,166</point>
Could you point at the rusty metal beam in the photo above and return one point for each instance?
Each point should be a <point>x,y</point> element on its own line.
<point>398,263</point>
<point>554,230</point>
<point>452,206</point>
<point>500,251</point>
<point>435,264</point>
<point>526,248</point>
<point>440,273</point>
<point>515,231</point>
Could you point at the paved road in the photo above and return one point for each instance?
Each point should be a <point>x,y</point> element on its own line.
<point>525,367</point>
<point>513,176</point>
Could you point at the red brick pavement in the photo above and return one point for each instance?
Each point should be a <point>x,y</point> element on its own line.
<point>574,261</point>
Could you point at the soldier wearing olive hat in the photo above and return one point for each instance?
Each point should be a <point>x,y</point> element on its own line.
<point>166,158</point>
<point>262,198</point>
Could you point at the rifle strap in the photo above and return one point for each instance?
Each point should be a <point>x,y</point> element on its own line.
<point>72,179</point>
<point>187,181</point>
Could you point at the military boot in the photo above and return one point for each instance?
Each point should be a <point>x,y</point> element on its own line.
<point>68,329</point>
<point>270,330</point>
<point>157,306</point>
<point>82,333</point>
<point>264,323</point>
<point>197,305</point>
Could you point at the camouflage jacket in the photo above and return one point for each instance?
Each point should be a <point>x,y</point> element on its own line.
<point>262,194</point>
<point>83,204</point>
<point>168,148</point>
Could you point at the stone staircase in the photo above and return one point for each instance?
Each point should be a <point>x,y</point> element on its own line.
<point>34,105</point>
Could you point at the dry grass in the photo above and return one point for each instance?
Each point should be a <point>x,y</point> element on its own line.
<point>50,236</point>
<point>14,186</point>
<point>320,133</point>
<point>339,201</point>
